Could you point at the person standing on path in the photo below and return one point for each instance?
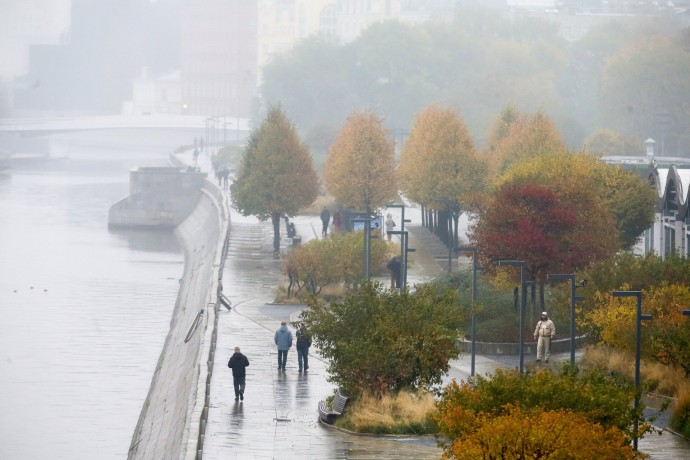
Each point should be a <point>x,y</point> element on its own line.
<point>395,267</point>
<point>303,344</point>
<point>390,225</point>
<point>325,219</point>
<point>283,340</point>
<point>544,332</point>
<point>238,363</point>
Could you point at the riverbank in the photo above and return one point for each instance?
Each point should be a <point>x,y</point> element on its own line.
<point>170,424</point>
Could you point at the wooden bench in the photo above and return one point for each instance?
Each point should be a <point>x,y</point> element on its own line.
<point>328,414</point>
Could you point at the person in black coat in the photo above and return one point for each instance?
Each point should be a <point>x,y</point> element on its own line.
<point>238,363</point>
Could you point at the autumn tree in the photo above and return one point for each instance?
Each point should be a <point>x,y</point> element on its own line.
<point>438,165</point>
<point>609,142</point>
<point>627,197</point>
<point>551,232</point>
<point>360,169</point>
<point>527,137</point>
<point>276,177</point>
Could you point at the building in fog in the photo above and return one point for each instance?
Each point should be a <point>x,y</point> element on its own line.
<point>218,60</point>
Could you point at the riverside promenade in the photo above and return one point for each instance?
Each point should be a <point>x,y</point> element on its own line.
<point>278,417</point>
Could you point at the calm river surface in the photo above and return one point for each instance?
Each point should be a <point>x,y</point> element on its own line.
<point>84,311</point>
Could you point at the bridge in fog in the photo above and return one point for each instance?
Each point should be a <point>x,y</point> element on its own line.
<point>216,126</point>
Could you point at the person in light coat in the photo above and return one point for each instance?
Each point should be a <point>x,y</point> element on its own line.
<point>544,332</point>
<point>283,340</point>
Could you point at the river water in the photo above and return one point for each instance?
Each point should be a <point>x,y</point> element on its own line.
<point>84,311</point>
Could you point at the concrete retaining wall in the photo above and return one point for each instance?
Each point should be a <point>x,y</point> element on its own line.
<point>170,424</point>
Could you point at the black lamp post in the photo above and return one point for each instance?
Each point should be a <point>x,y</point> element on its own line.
<point>523,299</point>
<point>475,268</point>
<point>638,338</point>
<point>573,298</point>
<point>405,251</point>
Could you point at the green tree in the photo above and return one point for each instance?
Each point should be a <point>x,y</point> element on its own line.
<point>379,341</point>
<point>276,177</point>
<point>644,90</point>
<point>360,170</point>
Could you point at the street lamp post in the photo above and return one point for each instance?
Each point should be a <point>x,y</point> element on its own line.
<point>638,338</point>
<point>475,268</point>
<point>573,298</point>
<point>523,299</point>
<point>405,251</point>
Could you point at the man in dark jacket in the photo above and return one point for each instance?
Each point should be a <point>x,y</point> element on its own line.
<point>303,344</point>
<point>238,363</point>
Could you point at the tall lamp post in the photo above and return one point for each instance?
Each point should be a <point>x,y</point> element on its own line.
<point>573,298</point>
<point>475,268</point>
<point>405,251</point>
<point>638,338</point>
<point>523,299</point>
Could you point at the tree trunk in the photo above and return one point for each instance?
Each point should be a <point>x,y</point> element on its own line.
<point>275,219</point>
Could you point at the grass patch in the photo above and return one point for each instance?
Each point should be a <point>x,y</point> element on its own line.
<point>659,378</point>
<point>680,421</point>
<point>401,413</point>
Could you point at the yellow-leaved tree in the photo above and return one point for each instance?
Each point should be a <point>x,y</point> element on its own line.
<point>360,170</point>
<point>526,137</point>
<point>438,164</point>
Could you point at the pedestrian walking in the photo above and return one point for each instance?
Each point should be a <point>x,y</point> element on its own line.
<point>303,344</point>
<point>544,332</point>
<point>283,340</point>
<point>390,225</point>
<point>395,267</point>
<point>238,363</point>
<point>325,219</point>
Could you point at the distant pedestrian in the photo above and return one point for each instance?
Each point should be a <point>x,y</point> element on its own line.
<point>303,344</point>
<point>283,340</point>
<point>238,363</point>
<point>195,155</point>
<point>376,231</point>
<point>544,332</point>
<point>395,267</point>
<point>325,219</point>
<point>337,221</point>
<point>390,225</point>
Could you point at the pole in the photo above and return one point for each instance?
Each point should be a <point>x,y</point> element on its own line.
<point>573,298</point>
<point>638,339</point>
<point>523,301</point>
<point>475,268</point>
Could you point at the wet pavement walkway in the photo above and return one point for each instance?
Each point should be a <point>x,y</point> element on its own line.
<point>278,418</point>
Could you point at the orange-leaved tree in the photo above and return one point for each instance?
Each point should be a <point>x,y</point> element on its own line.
<point>360,170</point>
<point>276,177</point>
<point>438,165</point>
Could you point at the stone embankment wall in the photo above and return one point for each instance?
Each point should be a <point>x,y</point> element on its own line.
<point>172,420</point>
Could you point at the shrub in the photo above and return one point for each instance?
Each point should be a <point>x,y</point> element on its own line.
<point>379,341</point>
<point>597,395</point>
<point>518,434</point>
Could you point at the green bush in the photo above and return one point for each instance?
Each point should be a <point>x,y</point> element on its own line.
<point>379,341</point>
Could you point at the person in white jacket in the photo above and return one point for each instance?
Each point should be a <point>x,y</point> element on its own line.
<point>544,332</point>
